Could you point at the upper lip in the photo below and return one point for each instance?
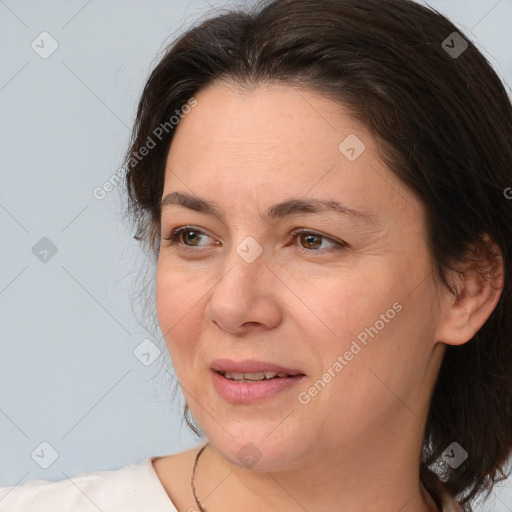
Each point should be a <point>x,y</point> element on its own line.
<point>251,366</point>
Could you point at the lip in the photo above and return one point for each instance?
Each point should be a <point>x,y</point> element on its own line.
<point>250,366</point>
<point>239,392</point>
<point>250,392</point>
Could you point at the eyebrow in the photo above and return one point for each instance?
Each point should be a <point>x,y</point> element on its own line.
<point>276,211</point>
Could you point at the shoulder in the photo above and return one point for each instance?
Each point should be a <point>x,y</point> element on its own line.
<point>131,488</point>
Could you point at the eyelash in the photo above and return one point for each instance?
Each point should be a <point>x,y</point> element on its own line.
<point>173,239</point>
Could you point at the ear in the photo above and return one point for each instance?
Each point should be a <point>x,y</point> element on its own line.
<point>478,289</point>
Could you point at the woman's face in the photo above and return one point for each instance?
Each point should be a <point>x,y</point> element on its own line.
<point>334,285</point>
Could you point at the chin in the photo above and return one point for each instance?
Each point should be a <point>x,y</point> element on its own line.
<point>258,452</point>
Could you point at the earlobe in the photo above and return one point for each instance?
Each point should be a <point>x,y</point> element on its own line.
<point>479,289</point>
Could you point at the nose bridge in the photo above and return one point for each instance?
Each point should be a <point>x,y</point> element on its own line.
<point>249,250</point>
<point>245,263</point>
<point>242,296</point>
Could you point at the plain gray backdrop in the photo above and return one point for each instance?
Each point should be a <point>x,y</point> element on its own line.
<point>78,371</point>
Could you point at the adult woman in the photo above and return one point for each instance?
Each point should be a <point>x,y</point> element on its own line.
<point>330,217</point>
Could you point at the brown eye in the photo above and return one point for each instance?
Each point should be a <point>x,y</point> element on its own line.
<point>191,237</point>
<point>316,243</point>
<point>310,240</point>
<point>187,236</point>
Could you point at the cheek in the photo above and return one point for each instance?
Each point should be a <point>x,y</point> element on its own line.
<point>180,311</point>
<point>367,327</point>
<point>341,307</point>
<point>385,361</point>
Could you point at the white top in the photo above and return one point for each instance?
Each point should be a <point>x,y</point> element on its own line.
<point>134,488</point>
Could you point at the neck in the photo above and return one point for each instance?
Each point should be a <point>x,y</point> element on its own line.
<point>367,475</point>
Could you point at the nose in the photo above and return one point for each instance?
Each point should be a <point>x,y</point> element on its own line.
<point>246,296</point>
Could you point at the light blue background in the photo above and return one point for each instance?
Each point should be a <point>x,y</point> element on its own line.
<point>68,374</point>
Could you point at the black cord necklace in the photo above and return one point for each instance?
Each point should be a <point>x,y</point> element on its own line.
<point>199,506</point>
<point>198,503</point>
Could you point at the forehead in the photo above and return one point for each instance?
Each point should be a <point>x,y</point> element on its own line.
<point>275,140</point>
<point>265,122</point>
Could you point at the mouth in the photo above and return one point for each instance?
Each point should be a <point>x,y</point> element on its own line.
<point>255,376</point>
<point>252,369</point>
<point>252,381</point>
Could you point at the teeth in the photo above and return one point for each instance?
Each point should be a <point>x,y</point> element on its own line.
<point>253,376</point>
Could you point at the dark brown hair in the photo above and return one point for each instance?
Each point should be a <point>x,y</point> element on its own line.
<point>443,124</point>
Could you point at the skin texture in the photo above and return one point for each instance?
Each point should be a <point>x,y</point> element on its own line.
<point>357,442</point>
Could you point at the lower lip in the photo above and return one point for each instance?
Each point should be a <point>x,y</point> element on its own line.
<point>243,392</point>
